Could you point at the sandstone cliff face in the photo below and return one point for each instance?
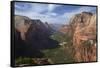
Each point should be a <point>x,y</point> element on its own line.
<point>22,25</point>
<point>64,29</point>
<point>83,28</point>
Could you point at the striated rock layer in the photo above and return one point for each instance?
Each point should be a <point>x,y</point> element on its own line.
<point>83,30</point>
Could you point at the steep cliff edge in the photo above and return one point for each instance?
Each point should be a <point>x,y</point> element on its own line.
<point>31,35</point>
<point>83,30</point>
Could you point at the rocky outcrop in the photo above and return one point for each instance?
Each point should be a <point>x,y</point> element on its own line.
<point>22,25</point>
<point>31,36</point>
<point>55,26</point>
<point>64,29</point>
<point>83,30</point>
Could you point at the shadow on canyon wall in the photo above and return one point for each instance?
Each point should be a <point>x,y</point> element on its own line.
<point>33,44</point>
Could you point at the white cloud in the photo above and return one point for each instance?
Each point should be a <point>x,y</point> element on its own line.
<point>54,14</point>
<point>38,8</point>
<point>68,15</point>
<point>35,12</point>
<point>49,16</point>
<point>17,6</point>
<point>51,7</point>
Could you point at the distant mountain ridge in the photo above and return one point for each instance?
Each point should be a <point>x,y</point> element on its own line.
<point>56,26</point>
<point>31,36</point>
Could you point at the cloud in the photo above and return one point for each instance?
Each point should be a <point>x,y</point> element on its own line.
<point>36,10</point>
<point>53,14</point>
<point>68,15</point>
<point>39,8</point>
<point>51,7</point>
<point>22,6</point>
<point>45,12</point>
<point>36,7</point>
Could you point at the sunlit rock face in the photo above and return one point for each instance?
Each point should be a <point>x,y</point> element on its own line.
<point>64,29</point>
<point>83,29</point>
<point>22,25</point>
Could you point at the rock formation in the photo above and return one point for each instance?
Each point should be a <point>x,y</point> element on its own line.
<point>83,30</point>
<point>31,36</point>
<point>22,25</point>
<point>64,29</point>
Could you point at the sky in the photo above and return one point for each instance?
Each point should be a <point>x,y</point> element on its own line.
<point>51,13</point>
